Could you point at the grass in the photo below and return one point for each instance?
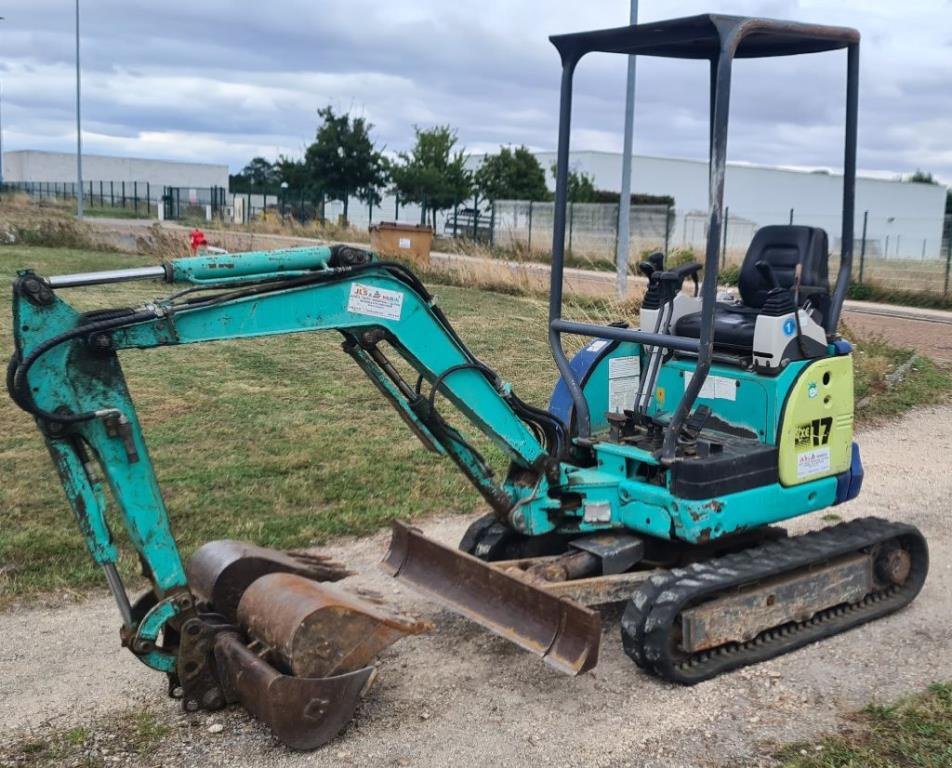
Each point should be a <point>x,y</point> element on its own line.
<point>872,291</point>
<point>118,212</point>
<point>275,440</point>
<point>874,359</point>
<point>916,732</point>
<point>129,736</point>
<point>278,440</point>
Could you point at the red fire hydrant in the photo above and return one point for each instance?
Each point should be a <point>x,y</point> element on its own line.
<point>196,240</point>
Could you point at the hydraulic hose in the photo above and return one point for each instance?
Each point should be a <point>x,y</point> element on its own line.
<point>18,386</point>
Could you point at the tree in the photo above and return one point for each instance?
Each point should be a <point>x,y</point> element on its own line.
<point>343,160</point>
<point>922,177</point>
<point>295,174</point>
<point>258,174</point>
<point>512,174</point>
<point>432,174</point>
<point>581,186</point>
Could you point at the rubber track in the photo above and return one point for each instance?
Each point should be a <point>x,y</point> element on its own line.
<point>653,612</point>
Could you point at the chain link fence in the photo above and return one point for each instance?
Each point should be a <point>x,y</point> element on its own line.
<point>903,253</point>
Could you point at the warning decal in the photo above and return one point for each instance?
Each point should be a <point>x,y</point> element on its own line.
<point>714,387</point>
<point>624,378</point>
<point>376,302</point>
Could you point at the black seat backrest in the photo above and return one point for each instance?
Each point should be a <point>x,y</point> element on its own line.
<point>784,246</point>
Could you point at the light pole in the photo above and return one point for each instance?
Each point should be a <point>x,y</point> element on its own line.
<point>1,133</point>
<point>624,198</point>
<point>1,136</point>
<point>79,131</point>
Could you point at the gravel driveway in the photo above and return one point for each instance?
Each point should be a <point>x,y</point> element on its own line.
<point>461,696</point>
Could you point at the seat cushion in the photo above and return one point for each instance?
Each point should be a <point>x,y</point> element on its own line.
<point>733,329</point>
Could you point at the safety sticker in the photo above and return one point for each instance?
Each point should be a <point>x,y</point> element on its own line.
<point>597,346</point>
<point>597,512</point>
<point>376,302</point>
<point>715,387</point>
<point>624,379</point>
<point>813,462</point>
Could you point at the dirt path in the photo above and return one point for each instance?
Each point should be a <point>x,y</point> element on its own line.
<point>463,697</point>
<point>929,337</point>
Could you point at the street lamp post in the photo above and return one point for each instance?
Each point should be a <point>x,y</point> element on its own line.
<point>79,131</point>
<point>624,198</point>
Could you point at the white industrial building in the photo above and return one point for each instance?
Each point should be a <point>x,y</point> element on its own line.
<point>60,167</point>
<point>905,220</point>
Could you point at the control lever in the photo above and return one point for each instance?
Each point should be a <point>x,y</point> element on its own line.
<point>767,272</point>
<point>691,429</point>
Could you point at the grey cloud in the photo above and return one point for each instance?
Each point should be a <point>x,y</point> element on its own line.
<point>243,76</point>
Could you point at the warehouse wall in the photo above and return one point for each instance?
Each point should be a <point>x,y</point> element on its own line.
<point>29,165</point>
<point>905,220</point>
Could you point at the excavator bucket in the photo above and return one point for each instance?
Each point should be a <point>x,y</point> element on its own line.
<point>296,652</point>
<point>565,634</point>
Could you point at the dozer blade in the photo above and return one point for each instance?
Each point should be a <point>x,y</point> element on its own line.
<point>302,712</point>
<point>220,571</point>
<point>565,634</point>
<point>317,630</point>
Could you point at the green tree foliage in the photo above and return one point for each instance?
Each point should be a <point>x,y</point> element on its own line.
<point>433,174</point>
<point>512,174</point>
<point>295,173</point>
<point>922,177</point>
<point>581,186</point>
<point>637,198</point>
<point>343,159</point>
<point>259,174</point>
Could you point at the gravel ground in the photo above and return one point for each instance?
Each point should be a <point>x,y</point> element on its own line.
<point>462,696</point>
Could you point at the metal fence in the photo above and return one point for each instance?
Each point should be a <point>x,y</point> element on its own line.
<point>136,197</point>
<point>905,253</point>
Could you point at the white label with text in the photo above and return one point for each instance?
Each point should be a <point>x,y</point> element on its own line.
<point>813,462</point>
<point>376,302</point>
<point>624,378</point>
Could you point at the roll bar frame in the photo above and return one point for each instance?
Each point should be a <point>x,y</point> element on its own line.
<point>719,39</point>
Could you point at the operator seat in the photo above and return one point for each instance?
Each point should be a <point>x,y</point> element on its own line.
<point>781,246</point>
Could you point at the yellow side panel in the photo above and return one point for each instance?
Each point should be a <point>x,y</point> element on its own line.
<point>817,433</point>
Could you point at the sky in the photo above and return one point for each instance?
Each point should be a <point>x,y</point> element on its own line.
<point>223,81</point>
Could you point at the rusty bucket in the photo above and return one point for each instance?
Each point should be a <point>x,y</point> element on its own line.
<point>295,651</point>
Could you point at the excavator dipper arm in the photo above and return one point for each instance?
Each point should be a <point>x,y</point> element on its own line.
<point>66,372</point>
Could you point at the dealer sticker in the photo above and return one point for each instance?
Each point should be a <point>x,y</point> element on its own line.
<point>376,302</point>
<point>813,462</point>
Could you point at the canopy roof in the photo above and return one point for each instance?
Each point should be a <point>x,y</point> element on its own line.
<point>700,37</point>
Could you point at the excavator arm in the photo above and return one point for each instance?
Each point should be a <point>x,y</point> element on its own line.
<point>66,372</point>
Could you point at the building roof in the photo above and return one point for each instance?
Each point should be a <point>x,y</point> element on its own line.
<point>701,37</point>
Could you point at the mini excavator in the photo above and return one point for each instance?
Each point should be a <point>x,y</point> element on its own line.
<point>671,448</point>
